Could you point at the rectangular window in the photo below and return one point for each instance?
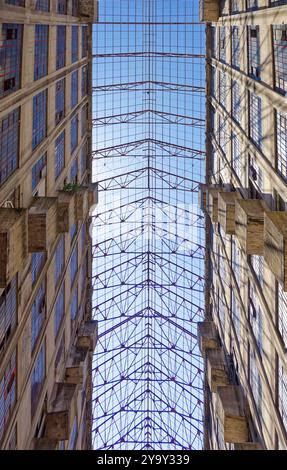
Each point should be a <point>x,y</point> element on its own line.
<point>74,304</point>
<point>213,81</point>
<point>84,41</point>
<point>11,54</point>
<point>60,101</point>
<point>59,309</point>
<point>38,314</point>
<point>41,51</point>
<point>75,42</point>
<point>74,133</point>
<point>42,5</point>
<point>255,381</point>
<point>7,394</point>
<point>38,171</point>
<point>281,144</point>
<point>236,156</point>
<point>258,266</point>
<point>18,3</point>
<point>84,120</point>
<point>235,315</point>
<point>282,392</point>
<point>256,317</point>
<point>213,33</point>
<point>59,154</point>
<point>61,47</point>
<point>252,4</point>
<point>38,378</point>
<point>280,57</point>
<point>255,119</point>
<point>222,43</point>
<point>59,259</point>
<point>73,232</point>
<point>84,159</point>
<point>9,144</point>
<point>74,89</point>
<point>222,133</point>
<point>37,262</point>
<point>74,265</point>
<point>62,7</point>
<point>84,84</point>
<point>236,261</point>
<point>253,51</point>
<point>39,118</point>
<point>74,435</point>
<point>74,172</point>
<point>236,101</point>
<point>235,6</point>
<point>282,312</point>
<point>8,313</point>
<point>235,45</point>
<point>75,11</point>
<point>222,89</point>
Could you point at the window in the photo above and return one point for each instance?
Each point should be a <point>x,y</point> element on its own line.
<point>235,315</point>
<point>74,304</point>
<point>84,273</point>
<point>213,42</point>
<point>235,45</point>
<point>59,154</point>
<point>74,172</point>
<point>255,317</point>
<point>7,394</point>
<point>19,3</point>
<point>252,4</point>
<point>11,54</point>
<point>74,265</point>
<point>74,88</point>
<point>38,378</point>
<point>39,118</point>
<point>281,144</point>
<point>61,352</point>
<point>74,133</point>
<point>222,89</point>
<point>255,119</point>
<point>222,43</point>
<point>9,144</point>
<point>84,159</point>
<point>41,51</point>
<point>280,57</point>
<point>84,84</point>
<point>84,120</point>
<point>60,101</point>
<point>61,47</point>
<point>235,6</point>
<point>42,5</point>
<point>258,266</point>
<point>222,133</point>
<point>213,81</point>
<point>255,381</point>
<point>83,237</point>
<point>282,392</point>
<point>74,435</point>
<point>73,231</point>
<point>59,259</point>
<point>75,41</point>
<point>75,8</point>
<point>236,101</point>
<point>8,313</point>
<point>253,51</point>
<point>84,41</point>
<point>236,156</point>
<point>38,170</point>
<point>37,262</point>
<point>59,310</point>
<point>62,7</point>
<point>282,312</point>
<point>236,261</point>
<point>38,314</point>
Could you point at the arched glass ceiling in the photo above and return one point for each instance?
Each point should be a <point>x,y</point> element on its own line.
<point>148,238</point>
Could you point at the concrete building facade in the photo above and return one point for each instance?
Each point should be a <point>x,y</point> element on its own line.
<point>244,336</point>
<point>46,332</point>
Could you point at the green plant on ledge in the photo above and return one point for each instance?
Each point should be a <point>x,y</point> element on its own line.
<point>71,187</point>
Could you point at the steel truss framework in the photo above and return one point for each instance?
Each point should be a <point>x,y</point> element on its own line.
<point>148,249</point>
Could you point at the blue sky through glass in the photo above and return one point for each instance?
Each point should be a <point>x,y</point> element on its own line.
<point>148,269</point>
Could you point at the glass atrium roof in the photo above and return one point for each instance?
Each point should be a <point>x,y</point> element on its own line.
<point>148,236</point>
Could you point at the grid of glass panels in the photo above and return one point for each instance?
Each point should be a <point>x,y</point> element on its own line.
<point>75,43</point>
<point>59,310</point>
<point>7,394</point>
<point>253,51</point>
<point>42,5</point>
<point>236,101</point>
<point>235,46</point>
<point>39,118</point>
<point>59,154</point>
<point>282,312</point>
<point>61,47</point>
<point>236,156</point>
<point>41,51</point>
<point>75,11</point>
<point>37,170</point>
<point>38,314</point>
<point>280,56</point>
<point>62,7</point>
<point>9,144</point>
<point>60,100</point>
<point>281,143</point>
<point>59,259</point>
<point>222,43</point>
<point>256,317</point>
<point>255,119</point>
<point>255,381</point>
<point>84,120</point>
<point>235,315</point>
<point>11,53</point>
<point>74,133</point>
<point>37,262</point>
<point>222,88</point>
<point>235,260</point>
<point>74,304</point>
<point>73,232</point>
<point>8,313</point>
<point>282,392</point>
<point>258,266</point>
<point>84,41</point>
<point>74,172</point>
<point>74,88</point>
<point>38,378</point>
<point>73,265</point>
